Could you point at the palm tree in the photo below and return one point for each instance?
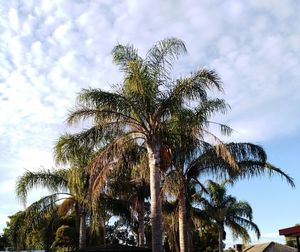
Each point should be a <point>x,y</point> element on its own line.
<point>226,210</point>
<point>194,160</point>
<point>139,110</point>
<point>77,157</point>
<point>77,153</point>
<point>72,182</point>
<point>34,215</point>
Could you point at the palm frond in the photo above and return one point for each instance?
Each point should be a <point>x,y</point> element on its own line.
<point>250,168</point>
<point>160,57</point>
<point>104,161</point>
<point>239,231</point>
<point>54,181</point>
<point>66,206</point>
<point>237,223</point>
<point>196,86</point>
<point>77,146</point>
<point>124,54</point>
<point>250,159</point>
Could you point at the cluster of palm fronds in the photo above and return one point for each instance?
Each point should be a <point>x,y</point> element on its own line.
<point>150,138</point>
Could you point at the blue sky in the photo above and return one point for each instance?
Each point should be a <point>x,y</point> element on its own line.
<point>49,50</point>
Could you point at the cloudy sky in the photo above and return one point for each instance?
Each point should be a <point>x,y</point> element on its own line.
<point>49,50</point>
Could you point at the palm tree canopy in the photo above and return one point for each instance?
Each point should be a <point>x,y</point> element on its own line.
<point>250,158</point>
<point>142,107</point>
<point>226,210</point>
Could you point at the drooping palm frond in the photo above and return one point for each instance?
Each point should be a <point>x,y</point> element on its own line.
<point>241,209</point>
<point>78,184</point>
<point>104,161</point>
<point>107,118</point>
<point>34,216</point>
<point>224,209</point>
<point>238,231</point>
<point>45,204</point>
<point>102,117</point>
<point>170,223</point>
<point>130,172</point>
<point>54,181</point>
<point>208,108</point>
<point>172,183</point>
<point>250,158</point>
<point>124,54</point>
<point>250,168</point>
<point>160,57</point>
<point>78,146</point>
<point>97,98</point>
<point>66,206</point>
<point>194,87</point>
<point>239,227</point>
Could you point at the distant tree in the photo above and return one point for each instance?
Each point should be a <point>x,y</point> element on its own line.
<point>120,233</point>
<point>225,210</point>
<point>32,230</point>
<point>205,237</point>
<point>16,231</point>
<point>4,241</point>
<point>65,239</point>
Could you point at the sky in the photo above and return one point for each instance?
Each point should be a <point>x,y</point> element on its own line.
<point>50,50</point>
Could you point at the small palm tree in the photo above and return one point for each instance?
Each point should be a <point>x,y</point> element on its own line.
<point>203,160</point>
<point>56,181</point>
<point>67,152</point>
<point>72,182</point>
<point>225,210</point>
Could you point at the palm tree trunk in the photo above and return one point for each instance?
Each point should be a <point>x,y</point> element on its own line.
<point>175,240</point>
<point>221,237</point>
<point>82,230</point>
<point>141,229</point>
<point>183,238</point>
<point>103,230</point>
<point>153,150</point>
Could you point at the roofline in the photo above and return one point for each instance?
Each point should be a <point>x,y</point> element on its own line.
<point>291,231</point>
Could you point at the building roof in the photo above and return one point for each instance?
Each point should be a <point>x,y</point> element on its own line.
<point>291,231</point>
<point>269,247</point>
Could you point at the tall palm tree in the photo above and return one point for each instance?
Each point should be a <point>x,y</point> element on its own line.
<point>139,109</point>
<point>226,210</point>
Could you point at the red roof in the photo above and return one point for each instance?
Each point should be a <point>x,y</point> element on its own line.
<point>291,231</point>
